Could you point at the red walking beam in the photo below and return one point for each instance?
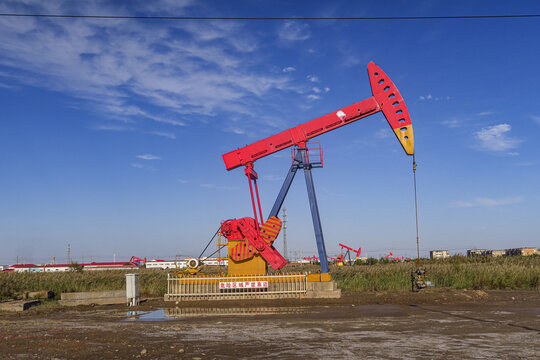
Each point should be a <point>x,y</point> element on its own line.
<point>386,98</point>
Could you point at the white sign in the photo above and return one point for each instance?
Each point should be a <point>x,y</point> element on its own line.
<point>244,285</point>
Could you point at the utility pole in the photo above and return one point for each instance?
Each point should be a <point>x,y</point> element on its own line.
<point>114,258</point>
<point>69,253</point>
<point>285,253</point>
<point>53,260</point>
<point>177,258</point>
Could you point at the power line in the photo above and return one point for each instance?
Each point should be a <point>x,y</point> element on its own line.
<point>464,17</point>
<point>416,212</point>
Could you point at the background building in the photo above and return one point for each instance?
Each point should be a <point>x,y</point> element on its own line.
<point>478,252</point>
<point>521,251</point>
<point>439,254</point>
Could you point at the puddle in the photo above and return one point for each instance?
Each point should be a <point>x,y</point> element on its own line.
<point>156,315</point>
<point>179,313</point>
<point>250,311</point>
<point>182,313</point>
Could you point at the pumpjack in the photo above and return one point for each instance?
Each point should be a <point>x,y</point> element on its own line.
<point>250,239</point>
<point>346,254</point>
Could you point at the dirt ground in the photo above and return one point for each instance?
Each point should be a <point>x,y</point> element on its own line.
<point>434,324</point>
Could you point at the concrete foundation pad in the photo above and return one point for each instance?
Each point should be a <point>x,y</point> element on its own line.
<point>18,305</point>
<point>44,294</point>
<point>103,301</point>
<point>109,297</point>
<point>322,290</point>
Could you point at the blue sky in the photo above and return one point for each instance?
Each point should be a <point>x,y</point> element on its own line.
<point>112,131</point>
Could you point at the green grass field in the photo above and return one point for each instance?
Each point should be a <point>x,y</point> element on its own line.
<point>152,282</point>
<point>456,272</point>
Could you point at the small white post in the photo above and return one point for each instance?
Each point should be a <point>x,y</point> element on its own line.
<point>132,289</point>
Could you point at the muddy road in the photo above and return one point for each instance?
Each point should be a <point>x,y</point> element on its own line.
<point>438,324</point>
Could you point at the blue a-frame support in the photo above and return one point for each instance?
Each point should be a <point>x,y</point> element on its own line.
<point>301,161</point>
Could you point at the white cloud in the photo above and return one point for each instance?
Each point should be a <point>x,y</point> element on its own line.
<point>434,98</point>
<point>313,97</point>
<point>124,128</point>
<point>182,71</point>
<point>312,78</point>
<point>293,31</point>
<point>218,31</point>
<point>488,202</point>
<point>235,130</point>
<point>535,118</point>
<point>288,69</point>
<point>112,127</point>
<point>165,134</point>
<point>142,166</point>
<point>326,89</point>
<point>160,6</point>
<point>316,90</point>
<point>495,138</point>
<point>383,133</point>
<point>238,131</point>
<point>148,157</point>
<point>453,123</point>
<point>486,113</point>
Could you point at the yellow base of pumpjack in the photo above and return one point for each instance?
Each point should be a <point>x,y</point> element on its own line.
<point>254,266</point>
<point>258,266</point>
<point>322,277</point>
